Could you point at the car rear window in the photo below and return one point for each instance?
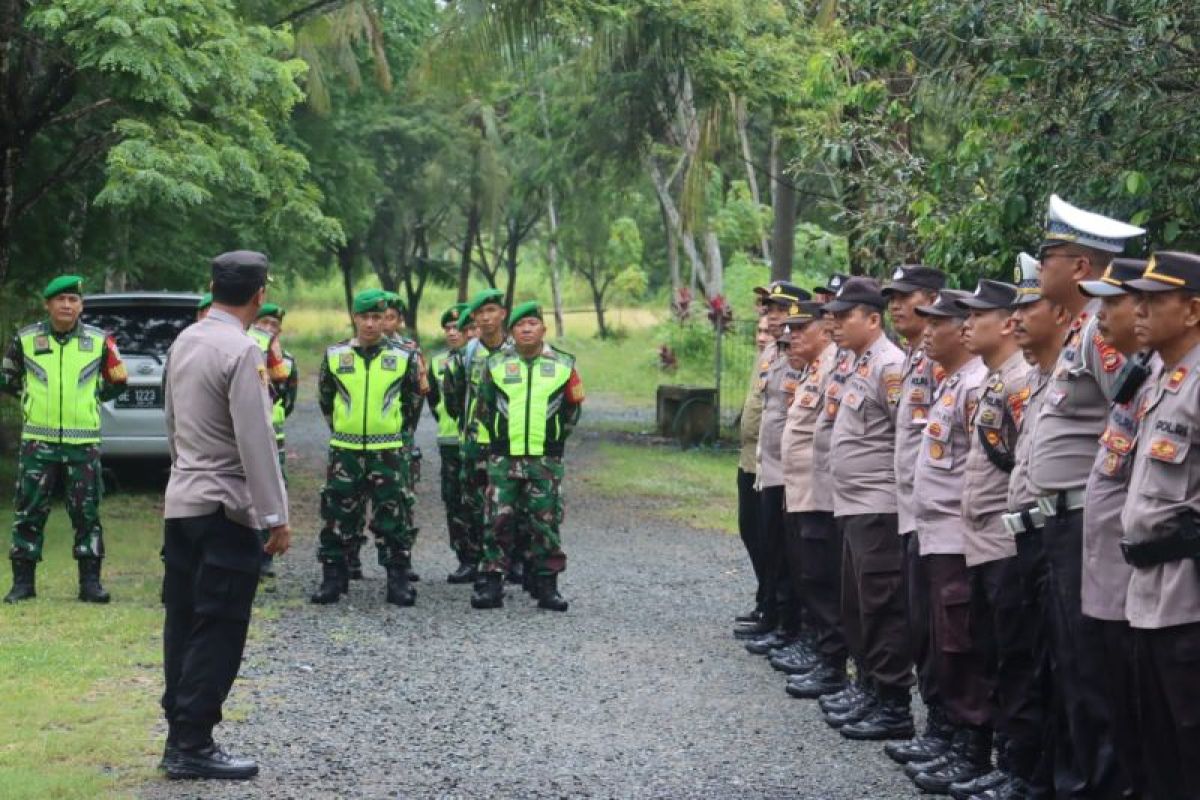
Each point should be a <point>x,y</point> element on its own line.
<point>142,330</point>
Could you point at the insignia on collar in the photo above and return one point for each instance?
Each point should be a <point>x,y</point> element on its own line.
<point>1176,379</point>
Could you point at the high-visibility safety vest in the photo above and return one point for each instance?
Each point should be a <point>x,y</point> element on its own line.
<point>367,409</point>
<point>447,425</point>
<point>475,357</point>
<point>62,384</point>
<point>529,396</point>
<point>278,412</point>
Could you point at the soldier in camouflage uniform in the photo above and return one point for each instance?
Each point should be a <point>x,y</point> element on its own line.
<point>370,390</point>
<point>61,370</point>
<point>448,445</point>
<point>463,377</point>
<point>529,401</point>
<point>285,383</point>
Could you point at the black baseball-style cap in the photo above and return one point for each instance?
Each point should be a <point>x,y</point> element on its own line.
<point>1169,271</point>
<point>240,269</point>
<point>857,291</point>
<point>909,278</point>
<point>1112,283</point>
<point>833,285</point>
<point>948,304</point>
<point>990,296</point>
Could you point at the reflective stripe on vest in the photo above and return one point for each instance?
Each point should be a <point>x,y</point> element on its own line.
<point>62,382</point>
<point>447,425</point>
<point>367,411</point>
<point>528,395</point>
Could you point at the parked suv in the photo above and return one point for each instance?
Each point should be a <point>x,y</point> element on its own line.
<point>144,325</point>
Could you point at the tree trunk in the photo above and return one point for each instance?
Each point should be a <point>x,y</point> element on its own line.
<point>674,219</point>
<point>345,257</point>
<point>783,232</point>
<point>740,118</point>
<point>512,248</point>
<point>598,304</point>
<point>9,161</point>
<point>672,253</point>
<point>715,283</point>
<point>469,237</point>
<point>552,245</point>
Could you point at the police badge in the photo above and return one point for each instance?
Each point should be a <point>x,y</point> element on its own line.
<point>388,363</point>
<point>86,344</point>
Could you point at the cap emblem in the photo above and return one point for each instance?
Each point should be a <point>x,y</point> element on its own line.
<point>898,274</point>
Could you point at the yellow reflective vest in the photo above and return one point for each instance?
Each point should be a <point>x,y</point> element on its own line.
<point>529,396</point>
<point>368,411</point>
<point>447,425</point>
<point>278,412</point>
<point>61,403</point>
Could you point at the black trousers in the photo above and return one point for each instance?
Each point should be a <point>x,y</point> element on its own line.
<point>959,656</point>
<point>211,576</point>
<point>821,581</point>
<point>1085,763</point>
<point>1119,669</point>
<point>1166,670</point>
<point>873,608</point>
<point>916,586</point>
<point>779,607</point>
<point>1002,610</point>
<point>1035,579</point>
<point>748,527</point>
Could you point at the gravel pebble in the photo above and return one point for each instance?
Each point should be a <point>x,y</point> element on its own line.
<point>639,691</point>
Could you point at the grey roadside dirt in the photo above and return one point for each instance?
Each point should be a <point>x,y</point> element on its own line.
<point>639,691</point>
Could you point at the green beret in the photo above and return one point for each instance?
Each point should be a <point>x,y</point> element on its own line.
<point>453,313</point>
<point>370,300</point>
<point>270,310</point>
<point>394,301</point>
<point>479,301</point>
<point>205,301</point>
<point>523,310</point>
<point>63,284</point>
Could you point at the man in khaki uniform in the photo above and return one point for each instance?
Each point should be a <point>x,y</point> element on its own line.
<point>1162,529</point>
<point>1105,573</point>
<point>912,286</point>
<point>1079,245</point>
<point>959,666</point>
<point>225,485</point>
<point>864,500</point>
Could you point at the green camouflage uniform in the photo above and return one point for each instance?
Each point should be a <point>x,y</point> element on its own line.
<point>357,475</point>
<point>525,468</point>
<point>72,456</point>
<point>450,451</point>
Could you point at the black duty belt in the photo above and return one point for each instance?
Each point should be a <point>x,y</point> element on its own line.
<point>1182,542</point>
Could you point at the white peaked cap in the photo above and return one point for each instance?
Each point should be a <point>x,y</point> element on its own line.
<point>1067,223</point>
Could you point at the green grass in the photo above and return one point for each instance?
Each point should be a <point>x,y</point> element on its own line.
<point>696,487</point>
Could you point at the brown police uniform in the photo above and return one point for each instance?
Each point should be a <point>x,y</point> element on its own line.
<point>748,499</point>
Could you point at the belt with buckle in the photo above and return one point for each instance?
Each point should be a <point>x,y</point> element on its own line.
<point>1057,503</point>
<point>1026,520</point>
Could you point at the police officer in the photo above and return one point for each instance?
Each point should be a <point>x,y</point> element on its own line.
<point>370,390</point>
<point>529,400</point>
<point>864,506</point>
<point>750,420</point>
<point>486,310</point>
<point>1162,528</point>
<point>912,286</point>
<point>939,483</point>
<point>448,444</point>
<point>1105,573</point>
<point>61,370</point>
<point>225,484</point>
<point>1079,245</point>
<point>997,597</point>
<point>285,382</point>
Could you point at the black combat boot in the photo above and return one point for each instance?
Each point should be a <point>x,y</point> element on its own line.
<point>861,708</point>
<point>208,762</point>
<point>548,596</point>
<point>334,583</point>
<point>935,741</point>
<point>755,630</point>
<point>800,660</point>
<point>964,790</point>
<point>413,576</point>
<point>841,701</point>
<point>465,573</point>
<point>772,641</point>
<point>974,759</point>
<point>354,561</point>
<point>826,679</point>
<point>489,591</point>
<point>750,616</point>
<point>890,719</point>
<point>399,592</point>
<point>90,589</point>
<point>516,572</point>
<point>23,581</point>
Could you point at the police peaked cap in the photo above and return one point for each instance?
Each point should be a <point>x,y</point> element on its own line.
<point>1113,282</point>
<point>1169,271</point>
<point>857,291</point>
<point>241,269</point>
<point>787,294</point>
<point>1067,224</point>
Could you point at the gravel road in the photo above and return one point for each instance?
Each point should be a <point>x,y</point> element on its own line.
<point>638,691</point>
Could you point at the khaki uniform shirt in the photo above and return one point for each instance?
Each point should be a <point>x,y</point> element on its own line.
<point>942,461</point>
<point>1105,573</point>
<point>921,376</point>
<point>864,434</point>
<point>800,431</point>
<point>779,388</point>
<point>1165,483</point>
<point>752,414</point>
<point>985,492</point>
<point>219,431</point>
<point>1021,495</point>
<point>835,384</point>
<point>1075,408</point>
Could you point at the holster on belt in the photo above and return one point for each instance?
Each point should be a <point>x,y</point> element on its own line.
<point>1182,542</point>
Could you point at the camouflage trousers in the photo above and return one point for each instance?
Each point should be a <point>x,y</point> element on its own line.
<point>452,499</point>
<point>473,482</point>
<point>41,465</point>
<point>524,492</point>
<point>355,477</point>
